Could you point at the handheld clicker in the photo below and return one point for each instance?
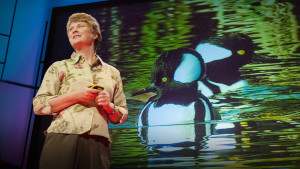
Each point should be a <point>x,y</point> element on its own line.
<point>97,86</point>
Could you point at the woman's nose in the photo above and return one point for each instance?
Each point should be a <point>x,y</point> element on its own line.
<point>74,30</point>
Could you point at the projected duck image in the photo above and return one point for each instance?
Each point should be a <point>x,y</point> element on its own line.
<point>177,119</point>
<point>223,57</point>
<point>178,103</point>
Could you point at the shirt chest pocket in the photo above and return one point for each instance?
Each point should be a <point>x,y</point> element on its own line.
<point>74,80</point>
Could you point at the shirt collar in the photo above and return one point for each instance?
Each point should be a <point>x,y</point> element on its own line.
<point>75,58</point>
<point>100,60</point>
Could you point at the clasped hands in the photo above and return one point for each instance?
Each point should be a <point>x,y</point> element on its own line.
<point>100,96</point>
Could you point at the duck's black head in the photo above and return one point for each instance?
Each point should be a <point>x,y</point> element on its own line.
<point>235,48</point>
<point>241,46</point>
<point>175,74</point>
<point>177,71</point>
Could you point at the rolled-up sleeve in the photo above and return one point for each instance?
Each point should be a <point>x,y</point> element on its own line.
<point>48,89</point>
<point>119,98</point>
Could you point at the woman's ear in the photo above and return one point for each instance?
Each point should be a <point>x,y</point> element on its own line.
<point>95,36</point>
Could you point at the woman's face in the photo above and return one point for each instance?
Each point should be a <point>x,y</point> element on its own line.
<point>80,35</point>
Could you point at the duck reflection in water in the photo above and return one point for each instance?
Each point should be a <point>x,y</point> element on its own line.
<point>223,57</point>
<point>169,121</point>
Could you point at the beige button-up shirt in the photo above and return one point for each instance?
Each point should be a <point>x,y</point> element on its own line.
<point>70,75</point>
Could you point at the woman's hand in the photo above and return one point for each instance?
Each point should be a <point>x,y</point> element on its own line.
<point>86,94</point>
<point>103,100</point>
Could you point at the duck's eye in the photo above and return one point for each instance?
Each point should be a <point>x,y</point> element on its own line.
<point>241,52</point>
<point>164,79</point>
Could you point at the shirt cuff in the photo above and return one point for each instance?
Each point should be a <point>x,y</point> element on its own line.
<point>43,108</point>
<point>124,113</point>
